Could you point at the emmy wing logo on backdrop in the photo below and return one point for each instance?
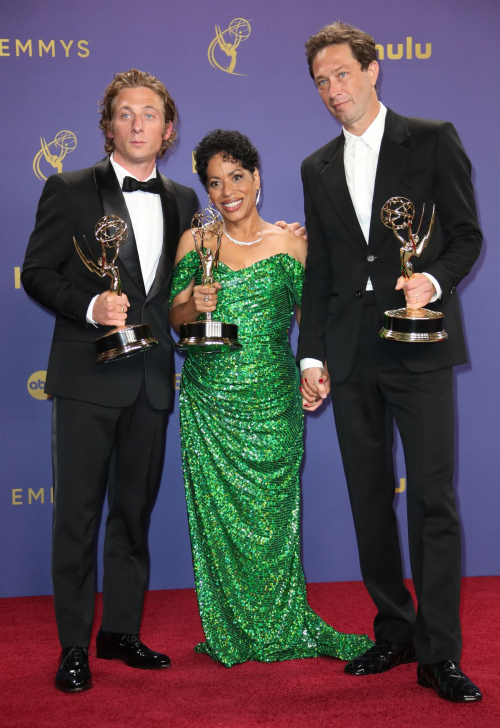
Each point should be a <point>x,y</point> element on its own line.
<point>54,152</point>
<point>225,44</point>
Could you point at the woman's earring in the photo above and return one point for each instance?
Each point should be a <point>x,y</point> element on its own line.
<point>257,197</point>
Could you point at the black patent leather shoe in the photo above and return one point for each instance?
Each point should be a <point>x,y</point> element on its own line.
<point>449,682</point>
<point>382,656</point>
<point>73,675</point>
<point>130,649</point>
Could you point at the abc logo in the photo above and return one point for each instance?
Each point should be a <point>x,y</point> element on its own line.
<point>36,385</point>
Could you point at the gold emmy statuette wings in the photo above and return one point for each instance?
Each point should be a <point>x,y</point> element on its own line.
<point>111,232</point>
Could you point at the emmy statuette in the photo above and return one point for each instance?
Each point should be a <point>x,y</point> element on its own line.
<point>405,324</point>
<point>208,337</point>
<point>119,343</point>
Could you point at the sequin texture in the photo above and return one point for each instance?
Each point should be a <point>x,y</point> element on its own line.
<point>241,433</point>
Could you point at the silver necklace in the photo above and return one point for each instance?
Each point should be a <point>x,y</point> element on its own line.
<point>240,242</point>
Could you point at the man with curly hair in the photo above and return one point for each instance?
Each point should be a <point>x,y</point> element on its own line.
<point>121,407</point>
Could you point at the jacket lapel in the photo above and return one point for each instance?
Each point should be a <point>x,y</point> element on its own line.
<point>334,180</point>
<point>391,162</point>
<point>113,203</point>
<point>171,233</point>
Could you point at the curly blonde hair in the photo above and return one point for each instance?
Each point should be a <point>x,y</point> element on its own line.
<point>136,79</point>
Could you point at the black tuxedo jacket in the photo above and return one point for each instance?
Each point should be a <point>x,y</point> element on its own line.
<point>419,159</point>
<point>54,275</point>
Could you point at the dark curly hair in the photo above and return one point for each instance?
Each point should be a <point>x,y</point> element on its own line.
<point>233,146</point>
<point>361,44</point>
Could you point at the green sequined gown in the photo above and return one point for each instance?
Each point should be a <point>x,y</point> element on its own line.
<point>241,433</point>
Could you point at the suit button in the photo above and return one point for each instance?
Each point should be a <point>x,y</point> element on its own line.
<point>371,258</point>
<point>359,294</point>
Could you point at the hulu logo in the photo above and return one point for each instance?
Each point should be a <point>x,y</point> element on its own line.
<point>404,50</point>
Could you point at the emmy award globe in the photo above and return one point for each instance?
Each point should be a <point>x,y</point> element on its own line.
<point>208,336</point>
<point>119,343</point>
<point>404,324</point>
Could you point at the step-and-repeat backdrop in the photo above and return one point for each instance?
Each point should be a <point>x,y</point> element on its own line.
<point>241,68</point>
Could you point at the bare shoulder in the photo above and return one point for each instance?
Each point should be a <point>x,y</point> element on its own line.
<point>185,245</point>
<point>286,242</point>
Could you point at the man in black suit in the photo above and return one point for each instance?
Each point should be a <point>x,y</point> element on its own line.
<point>353,275</point>
<point>121,406</point>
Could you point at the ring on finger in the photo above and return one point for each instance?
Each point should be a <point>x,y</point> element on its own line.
<point>206,299</point>
<point>123,309</point>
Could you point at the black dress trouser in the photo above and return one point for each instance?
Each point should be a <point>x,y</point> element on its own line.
<point>83,437</point>
<point>381,389</point>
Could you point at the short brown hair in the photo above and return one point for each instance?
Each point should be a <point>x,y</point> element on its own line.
<point>136,79</point>
<point>361,44</point>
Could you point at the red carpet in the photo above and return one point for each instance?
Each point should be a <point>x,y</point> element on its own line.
<point>199,692</point>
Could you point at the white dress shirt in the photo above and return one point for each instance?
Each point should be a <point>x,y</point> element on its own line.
<point>360,163</point>
<point>146,214</point>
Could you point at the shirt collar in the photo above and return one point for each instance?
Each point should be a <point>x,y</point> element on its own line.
<point>121,172</point>
<point>372,136</point>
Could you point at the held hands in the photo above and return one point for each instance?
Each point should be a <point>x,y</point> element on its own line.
<point>293,227</point>
<point>418,290</point>
<point>205,297</point>
<point>110,309</point>
<point>314,387</point>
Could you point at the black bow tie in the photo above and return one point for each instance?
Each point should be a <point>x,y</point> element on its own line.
<point>130,184</point>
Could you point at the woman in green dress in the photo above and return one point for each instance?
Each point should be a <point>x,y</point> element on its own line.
<point>242,427</point>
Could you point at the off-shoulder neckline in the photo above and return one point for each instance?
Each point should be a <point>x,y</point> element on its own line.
<point>247,267</point>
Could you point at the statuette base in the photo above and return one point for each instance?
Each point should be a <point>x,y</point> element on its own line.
<point>123,342</point>
<point>208,337</point>
<point>417,326</point>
